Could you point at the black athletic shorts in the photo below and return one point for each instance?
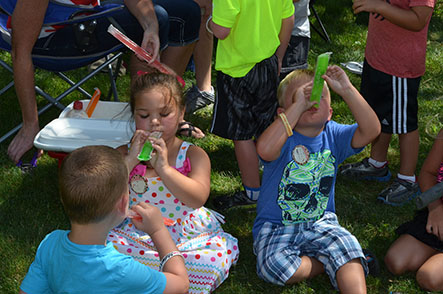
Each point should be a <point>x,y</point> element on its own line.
<point>393,99</point>
<point>246,106</point>
<point>417,229</point>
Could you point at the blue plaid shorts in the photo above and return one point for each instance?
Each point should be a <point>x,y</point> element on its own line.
<point>279,248</point>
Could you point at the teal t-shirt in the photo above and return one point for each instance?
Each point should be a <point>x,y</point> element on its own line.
<point>255,26</point>
<point>61,266</point>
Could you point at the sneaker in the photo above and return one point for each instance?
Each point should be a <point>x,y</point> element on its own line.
<point>365,171</point>
<point>196,99</point>
<point>399,192</point>
<point>373,266</point>
<point>227,201</point>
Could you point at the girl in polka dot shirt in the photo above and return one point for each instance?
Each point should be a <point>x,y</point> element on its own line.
<point>177,180</point>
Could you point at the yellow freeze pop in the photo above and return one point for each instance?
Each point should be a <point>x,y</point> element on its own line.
<point>320,69</point>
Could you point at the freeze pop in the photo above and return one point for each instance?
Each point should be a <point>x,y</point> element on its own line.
<point>93,102</point>
<point>134,215</point>
<point>146,152</point>
<point>320,69</point>
<point>140,51</point>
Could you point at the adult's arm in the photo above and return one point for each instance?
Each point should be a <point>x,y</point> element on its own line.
<point>143,11</point>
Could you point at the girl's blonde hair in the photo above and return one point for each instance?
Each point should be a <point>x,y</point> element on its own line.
<point>148,81</point>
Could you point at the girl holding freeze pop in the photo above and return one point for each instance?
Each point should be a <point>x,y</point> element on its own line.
<point>176,179</point>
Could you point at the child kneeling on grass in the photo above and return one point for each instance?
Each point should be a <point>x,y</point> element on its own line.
<point>296,232</point>
<point>419,248</point>
<point>94,193</point>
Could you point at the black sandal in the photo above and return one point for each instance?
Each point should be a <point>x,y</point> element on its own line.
<point>227,201</point>
<point>187,131</point>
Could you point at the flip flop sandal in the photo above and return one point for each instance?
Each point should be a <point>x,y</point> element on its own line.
<point>186,131</point>
<point>27,167</point>
<point>227,201</point>
<point>373,266</point>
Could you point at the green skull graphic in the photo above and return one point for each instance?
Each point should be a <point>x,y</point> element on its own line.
<point>304,189</point>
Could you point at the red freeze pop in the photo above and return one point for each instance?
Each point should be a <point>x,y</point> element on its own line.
<point>134,215</point>
<point>140,51</point>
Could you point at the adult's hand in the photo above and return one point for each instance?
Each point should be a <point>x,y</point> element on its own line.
<point>143,11</point>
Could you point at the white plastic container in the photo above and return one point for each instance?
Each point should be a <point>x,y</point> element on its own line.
<point>109,125</point>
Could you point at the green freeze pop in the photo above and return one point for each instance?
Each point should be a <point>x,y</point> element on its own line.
<point>320,69</point>
<point>146,152</point>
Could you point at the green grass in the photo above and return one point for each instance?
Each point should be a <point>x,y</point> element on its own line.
<point>30,207</point>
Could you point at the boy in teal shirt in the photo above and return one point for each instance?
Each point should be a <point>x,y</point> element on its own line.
<point>253,37</point>
<point>95,197</point>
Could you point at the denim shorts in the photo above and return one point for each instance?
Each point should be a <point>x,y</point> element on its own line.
<point>279,248</point>
<point>62,43</point>
<point>184,20</point>
<point>174,30</point>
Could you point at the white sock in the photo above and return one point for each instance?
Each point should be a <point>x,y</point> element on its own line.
<point>411,179</point>
<point>211,91</point>
<point>377,164</point>
<point>252,193</point>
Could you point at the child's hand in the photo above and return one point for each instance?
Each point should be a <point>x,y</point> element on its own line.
<point>434,224</point>
<point>366,5</point>
<point>337,80</point>
<point>159,158</point>
<point>302,97</point>
<point>137,141</point>
<point>152,219</point>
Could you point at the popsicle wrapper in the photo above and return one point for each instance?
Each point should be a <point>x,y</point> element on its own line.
<point>320,69</point>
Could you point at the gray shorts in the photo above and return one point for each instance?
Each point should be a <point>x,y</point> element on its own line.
<point>245,107</point>
<point>279,248</point>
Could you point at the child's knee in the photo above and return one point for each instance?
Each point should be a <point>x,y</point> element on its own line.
<point>430,280</point>
<point>395,265</point>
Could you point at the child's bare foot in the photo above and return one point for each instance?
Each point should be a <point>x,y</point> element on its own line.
<point>23,142</point>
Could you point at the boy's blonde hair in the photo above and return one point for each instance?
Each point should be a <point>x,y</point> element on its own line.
<point>92,179</point>
<point>294,75</point>
<point>148,81</point>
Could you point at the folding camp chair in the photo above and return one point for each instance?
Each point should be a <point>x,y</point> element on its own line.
<point>68,15</point>
<point>322,30</point>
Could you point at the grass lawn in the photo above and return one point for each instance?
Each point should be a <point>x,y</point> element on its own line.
<point>30,206</point>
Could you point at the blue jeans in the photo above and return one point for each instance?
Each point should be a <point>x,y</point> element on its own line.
<point>184,20</point>
<point>179,23</point>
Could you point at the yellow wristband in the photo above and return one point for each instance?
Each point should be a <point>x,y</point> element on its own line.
<point>285,121</point>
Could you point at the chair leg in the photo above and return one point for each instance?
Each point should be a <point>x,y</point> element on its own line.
<point>323,33</point>
<point>7,87</point>
<point>113,75</point>
<point>72,83</point>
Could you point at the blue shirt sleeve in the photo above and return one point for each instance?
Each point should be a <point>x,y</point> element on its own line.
<point>342,137</point>
<point>36,279</point>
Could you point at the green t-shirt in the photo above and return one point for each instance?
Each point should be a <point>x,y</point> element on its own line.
<point>255,26</point>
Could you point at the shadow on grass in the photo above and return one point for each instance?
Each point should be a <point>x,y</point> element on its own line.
<point>29,209</point>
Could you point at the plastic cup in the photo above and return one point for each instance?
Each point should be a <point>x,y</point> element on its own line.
<point>320,69</point>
